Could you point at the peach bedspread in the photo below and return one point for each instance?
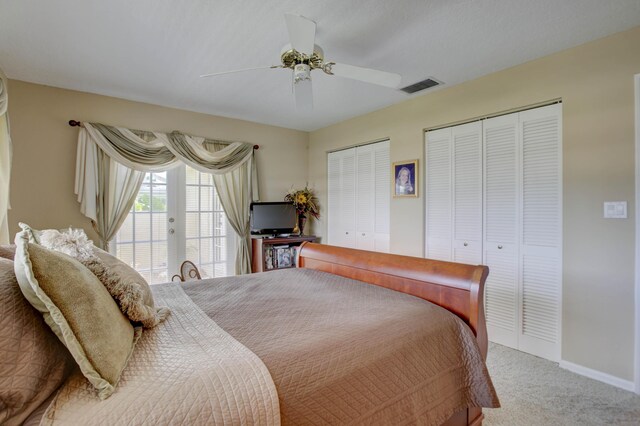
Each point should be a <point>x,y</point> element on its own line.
<point>344,352</point>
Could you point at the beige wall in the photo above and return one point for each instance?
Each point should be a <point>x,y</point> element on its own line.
<point>44,148</point>
<point>595,82</point>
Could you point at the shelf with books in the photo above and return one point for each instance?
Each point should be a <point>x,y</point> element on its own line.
<point>276,253</point>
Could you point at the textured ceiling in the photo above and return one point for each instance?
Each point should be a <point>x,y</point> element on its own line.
<point>154,50</point>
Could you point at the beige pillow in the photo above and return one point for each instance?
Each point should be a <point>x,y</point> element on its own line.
<point>127,293</point>
<point>78,309</point>
<point>8,251</point>
<point>33,362</point>
<point>127,287</point>
<point>126,273</point>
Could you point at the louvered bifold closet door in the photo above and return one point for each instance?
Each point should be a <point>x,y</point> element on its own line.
<point>467,193</point>
<point>347,211</point>
<point>382,194</point>
<point>501,224</point>
<point>334,161</point>
<point>365,198</point>
<point>541,239</point>
<point>438,194</point>
<point>341,172</point>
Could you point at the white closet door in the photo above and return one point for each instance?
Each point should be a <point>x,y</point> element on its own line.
<point>347,212</point>
<point>438,194</point>
<point>501,244</point>
<point>382,195</point>
<point>541,241</point>
<point>467,193</point>
<point>334,190</point>
<point>358,197</point>
<point>365,198</point>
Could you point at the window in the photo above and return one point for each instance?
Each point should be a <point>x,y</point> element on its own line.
<point>177,216</point>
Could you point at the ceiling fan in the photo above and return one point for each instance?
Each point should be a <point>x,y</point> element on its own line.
<point>303,56</point>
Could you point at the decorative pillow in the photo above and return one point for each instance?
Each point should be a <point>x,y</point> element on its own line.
<point>112,262</point>
<point>78,309</point>
<point>127,293</point>
<point>126,272</point>
<point>33,362</point>
<point>8,251</point>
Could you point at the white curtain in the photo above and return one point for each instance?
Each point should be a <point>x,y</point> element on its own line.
<point>5,160</point>
<point>106,189</point>
<point>236,190</point>
<point>112,161</point>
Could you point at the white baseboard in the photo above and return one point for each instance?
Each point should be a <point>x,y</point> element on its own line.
<point>598,375</point>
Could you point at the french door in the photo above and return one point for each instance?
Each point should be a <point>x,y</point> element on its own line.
<point>177,216</point>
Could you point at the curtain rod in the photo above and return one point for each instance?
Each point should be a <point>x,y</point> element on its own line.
<point>75,123</point>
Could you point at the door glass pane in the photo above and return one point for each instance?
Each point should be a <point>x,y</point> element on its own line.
<point>126,231</point>
<point>124,252</point>
<point>192,176</point>
<point>192,198</point>
<point>192,225</point>
<point>206,197</point>
<point>205,225</point>
<point>159,226</point>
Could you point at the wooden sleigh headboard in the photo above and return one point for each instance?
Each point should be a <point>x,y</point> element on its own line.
<point>456,287</point>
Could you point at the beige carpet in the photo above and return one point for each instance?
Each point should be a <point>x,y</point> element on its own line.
<point>534,391</point>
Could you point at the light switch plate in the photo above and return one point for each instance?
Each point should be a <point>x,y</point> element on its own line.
<point>615,209</point>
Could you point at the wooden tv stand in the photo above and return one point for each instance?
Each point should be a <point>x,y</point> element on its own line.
<point>260,245</point>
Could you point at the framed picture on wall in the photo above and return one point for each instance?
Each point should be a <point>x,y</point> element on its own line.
<point>405,178</point>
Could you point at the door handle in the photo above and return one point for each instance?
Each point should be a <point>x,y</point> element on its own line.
<point>500,247</point>
<point>465,244</point>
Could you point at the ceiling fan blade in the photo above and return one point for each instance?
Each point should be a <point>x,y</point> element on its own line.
<point>302,33</point>
<point>240,70</point>
<point>367,75</point>
<point>304,95</point>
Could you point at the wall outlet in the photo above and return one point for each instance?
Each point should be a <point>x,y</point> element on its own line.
<point>615,209</point>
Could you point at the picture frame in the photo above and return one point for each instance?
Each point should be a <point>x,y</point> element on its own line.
<point>404,175</point>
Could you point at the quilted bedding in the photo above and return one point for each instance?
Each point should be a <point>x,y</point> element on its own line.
<point>186,371</point>
<point>345,352</point>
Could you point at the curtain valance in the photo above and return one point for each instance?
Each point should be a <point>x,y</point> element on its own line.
<point>112,161</point>
<point>162,151</point>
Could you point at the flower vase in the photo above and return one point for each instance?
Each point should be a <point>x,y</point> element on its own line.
<point>302,220</point>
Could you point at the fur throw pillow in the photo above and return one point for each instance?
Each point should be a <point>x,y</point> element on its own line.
<point>127,294</point>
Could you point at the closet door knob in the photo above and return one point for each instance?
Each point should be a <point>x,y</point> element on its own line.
<point>499,247</point>
<point>363,234</point>
<point>465,244</point>
<point>347,233</point>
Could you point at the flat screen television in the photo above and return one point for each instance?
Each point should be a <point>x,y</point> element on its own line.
<point>277,217</point>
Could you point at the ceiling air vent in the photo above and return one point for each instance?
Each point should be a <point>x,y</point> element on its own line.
<point>421,85</point>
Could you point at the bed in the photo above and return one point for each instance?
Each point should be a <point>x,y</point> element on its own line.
<point>315,345</point>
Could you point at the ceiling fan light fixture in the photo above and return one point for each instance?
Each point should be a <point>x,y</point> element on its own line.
<point>302,56</point>
<point>327,67</point>
<point>301,72</point>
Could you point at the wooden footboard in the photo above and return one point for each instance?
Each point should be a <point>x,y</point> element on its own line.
<point>456,287</point>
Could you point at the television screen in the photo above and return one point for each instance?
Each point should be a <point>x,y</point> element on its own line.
<point>273,218</point>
